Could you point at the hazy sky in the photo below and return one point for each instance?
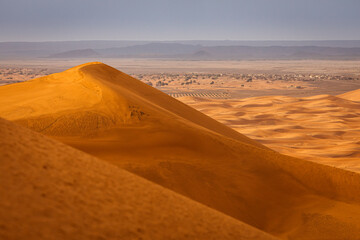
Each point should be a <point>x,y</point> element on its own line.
<point>42,20</point>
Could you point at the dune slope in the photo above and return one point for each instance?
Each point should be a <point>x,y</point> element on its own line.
<point>52,191</point>
<point>108,114</point>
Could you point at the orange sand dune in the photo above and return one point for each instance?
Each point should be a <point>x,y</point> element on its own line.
<point>52,191</point>
<point>94,97</point>
<point>108,114</point>
<point>321,128</point>
<point>353,95</point>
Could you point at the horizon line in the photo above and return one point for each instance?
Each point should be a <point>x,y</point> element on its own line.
<point>210,40</point>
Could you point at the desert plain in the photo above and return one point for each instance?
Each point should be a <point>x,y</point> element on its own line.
<point>180,149</point>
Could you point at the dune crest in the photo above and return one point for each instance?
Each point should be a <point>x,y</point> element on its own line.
<point>186,151</point>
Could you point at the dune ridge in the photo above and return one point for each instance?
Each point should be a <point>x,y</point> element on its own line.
<point>183,150</point>
<point>52,191</point>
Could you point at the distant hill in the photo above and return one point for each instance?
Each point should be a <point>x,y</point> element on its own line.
<point>198,52</point>
<point>82,53</point>
<point>151,50</point>
<point>276,52</point>
<point>15,50</point>
<point>321,43</point>
<point>192,50</point>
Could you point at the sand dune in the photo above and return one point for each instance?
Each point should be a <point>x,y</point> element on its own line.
<point>321,128</point>
<point>93,97</point>
<point>51,191</point>
<point>353,95</point>
<point>108,114</point>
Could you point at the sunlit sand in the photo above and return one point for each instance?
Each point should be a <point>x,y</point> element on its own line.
<point>130,126</point>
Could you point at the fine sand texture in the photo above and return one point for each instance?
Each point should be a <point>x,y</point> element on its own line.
<point>52,191</point>
<point>129,124</point>
<point>321,128</point>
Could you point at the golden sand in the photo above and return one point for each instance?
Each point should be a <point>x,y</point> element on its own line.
<point>131,125</point>
<point>321,128</point>
<point>52,191</point>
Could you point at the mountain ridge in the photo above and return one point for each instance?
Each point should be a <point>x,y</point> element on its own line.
<point>199,52</point>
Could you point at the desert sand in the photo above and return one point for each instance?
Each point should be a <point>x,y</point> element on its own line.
<point>52,191</point>
<point>110,115</point>
<point>321,128</point>
<point>352,96</point>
